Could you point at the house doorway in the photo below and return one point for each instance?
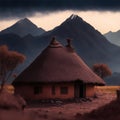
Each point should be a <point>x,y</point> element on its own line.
<point>79,89</point>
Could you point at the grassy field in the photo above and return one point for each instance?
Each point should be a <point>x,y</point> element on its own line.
<point>103,89</point>
<point>108,89</point>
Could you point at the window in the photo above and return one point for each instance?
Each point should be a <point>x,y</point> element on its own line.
<point>64,90</point>
<point>53,90</point>
<point>37,89</point>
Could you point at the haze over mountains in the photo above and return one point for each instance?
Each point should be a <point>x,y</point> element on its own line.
<point>89,43</point>
<point>113,37</point>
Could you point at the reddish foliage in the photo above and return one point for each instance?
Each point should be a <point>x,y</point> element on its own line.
<point>102,70</point>
<point>13,59</point>
<point>9,60</point>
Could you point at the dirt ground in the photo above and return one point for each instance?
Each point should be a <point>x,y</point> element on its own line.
<point>71,110</point>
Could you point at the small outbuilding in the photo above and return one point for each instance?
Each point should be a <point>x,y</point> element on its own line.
<point>57,73</point>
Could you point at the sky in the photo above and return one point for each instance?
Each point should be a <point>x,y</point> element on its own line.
<point>104,15</point>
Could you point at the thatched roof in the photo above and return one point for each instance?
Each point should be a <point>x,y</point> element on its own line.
<point>58,64</point>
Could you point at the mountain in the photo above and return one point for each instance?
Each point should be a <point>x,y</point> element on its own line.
<point>113,37</point>
<point>89,43</point>
<point>114,79</point>
<point>24,27</point>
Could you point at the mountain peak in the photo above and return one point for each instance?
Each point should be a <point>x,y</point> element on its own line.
<point>73,16</point>
<point>24,21</point>
<point>76,23</point>
<point>24,27</point>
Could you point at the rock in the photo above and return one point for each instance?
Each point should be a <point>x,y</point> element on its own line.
<point>58,102</point>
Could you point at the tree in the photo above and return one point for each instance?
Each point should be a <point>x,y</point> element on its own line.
<point>9,60</point>
<point>102,70</point>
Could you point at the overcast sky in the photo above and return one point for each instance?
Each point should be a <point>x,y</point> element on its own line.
<point>61,4</point>
<point>104,15</point>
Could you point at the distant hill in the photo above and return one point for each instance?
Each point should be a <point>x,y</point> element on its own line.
<point>114,79</point>
<point>24,27</point>
<point>113,37</point>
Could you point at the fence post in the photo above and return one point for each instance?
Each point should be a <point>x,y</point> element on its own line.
<point>118,94</point>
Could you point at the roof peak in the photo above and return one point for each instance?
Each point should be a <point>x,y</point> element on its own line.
<point>54,43</point>
<point>69,45</point>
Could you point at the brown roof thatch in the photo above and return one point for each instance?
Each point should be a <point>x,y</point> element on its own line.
<point>58,64</point>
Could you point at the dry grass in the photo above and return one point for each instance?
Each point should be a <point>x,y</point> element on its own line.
<point>107,89</point>
<point>10,88</point>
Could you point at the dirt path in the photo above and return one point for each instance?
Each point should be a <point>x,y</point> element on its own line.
<point>69,111</point>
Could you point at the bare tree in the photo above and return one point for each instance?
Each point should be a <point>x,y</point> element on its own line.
<point>9,60</point>
<point>102,70</point>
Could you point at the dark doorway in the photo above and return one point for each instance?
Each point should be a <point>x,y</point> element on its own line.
<point>79,89</point>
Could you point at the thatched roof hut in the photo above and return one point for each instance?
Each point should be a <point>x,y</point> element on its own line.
<point>58,64</point>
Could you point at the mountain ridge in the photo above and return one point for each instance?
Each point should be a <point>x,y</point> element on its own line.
<point>113,37</point>
<point>81,32</point>
<point>23,27</point>
<point>88,42</point>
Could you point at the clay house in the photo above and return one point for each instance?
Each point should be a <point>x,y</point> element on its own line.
<point>57,73</point>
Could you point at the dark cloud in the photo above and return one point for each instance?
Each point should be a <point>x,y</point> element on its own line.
<point>10,13</point>
<point>20,8</point>
<point>60,4</point>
